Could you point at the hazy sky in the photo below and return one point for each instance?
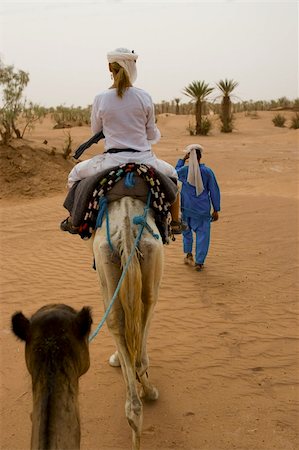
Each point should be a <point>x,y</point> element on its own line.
<point>63,46</point>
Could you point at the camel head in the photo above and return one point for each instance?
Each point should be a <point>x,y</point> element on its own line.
<point>56,338</point>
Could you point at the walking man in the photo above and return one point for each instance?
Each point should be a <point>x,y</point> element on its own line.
<point>200,204</point>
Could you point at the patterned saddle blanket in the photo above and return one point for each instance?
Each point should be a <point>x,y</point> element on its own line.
<point>134,180</point>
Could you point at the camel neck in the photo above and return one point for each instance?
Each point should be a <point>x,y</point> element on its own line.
<point>55,415</point>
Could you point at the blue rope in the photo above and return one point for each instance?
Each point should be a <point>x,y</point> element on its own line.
<point>129,180</point>
<point>108,231</point>
<point>102,211</point>
<point>141,220</point>
<point>142,225</point>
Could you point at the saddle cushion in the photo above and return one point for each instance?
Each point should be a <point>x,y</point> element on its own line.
<point>83,198</point>
<point>119,190</point>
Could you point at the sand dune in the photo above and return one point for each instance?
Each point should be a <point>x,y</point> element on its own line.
<point>223,344</point>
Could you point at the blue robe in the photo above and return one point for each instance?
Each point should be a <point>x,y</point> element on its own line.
<point>196,210</point>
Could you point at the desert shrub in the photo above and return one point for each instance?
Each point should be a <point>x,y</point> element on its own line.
<point>279,120</point>
<point>205,127</point>
<point>12,83</point>
<point>252,114</point>
<point>17,116</point>
<point>295,121</point>
<point>31,114</point>
<point>296,104</point>
<point>66,117</point>
<point>67,148</point>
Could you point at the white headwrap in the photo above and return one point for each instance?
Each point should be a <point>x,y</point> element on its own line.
<point>126,59</point>
<point>194,174</point>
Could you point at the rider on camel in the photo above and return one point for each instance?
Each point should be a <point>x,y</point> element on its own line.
<point>125,115</point>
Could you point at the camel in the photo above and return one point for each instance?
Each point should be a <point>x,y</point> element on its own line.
<point>56,354</point>
<point>131,313</point>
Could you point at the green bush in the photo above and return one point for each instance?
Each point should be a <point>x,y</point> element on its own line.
<point>66,117</point>
<point>279,120</point>
<point>206,125</point>
<point>295,121</point>
<point>67,148</point>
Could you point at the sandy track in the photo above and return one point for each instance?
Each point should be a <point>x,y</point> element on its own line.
<point>223,344</point>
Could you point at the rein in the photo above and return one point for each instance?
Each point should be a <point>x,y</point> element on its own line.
<point>142,223</point>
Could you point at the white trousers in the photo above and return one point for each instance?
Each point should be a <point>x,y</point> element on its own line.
<point>105,161</point>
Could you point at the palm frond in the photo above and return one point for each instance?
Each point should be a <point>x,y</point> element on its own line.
<point>198,90</point>
<point>227,86</point>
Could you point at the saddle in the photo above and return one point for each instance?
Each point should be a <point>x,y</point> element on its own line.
<point>85,198</point>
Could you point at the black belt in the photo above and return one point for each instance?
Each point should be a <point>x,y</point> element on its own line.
<point>94,140</point>
<point>120,150</point>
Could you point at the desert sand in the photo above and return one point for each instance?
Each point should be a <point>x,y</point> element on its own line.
<point>223,344</point>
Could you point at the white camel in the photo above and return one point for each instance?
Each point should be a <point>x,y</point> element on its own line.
<point>130,316</point>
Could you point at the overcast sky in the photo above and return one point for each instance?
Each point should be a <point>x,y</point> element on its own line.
<point>63,46</point>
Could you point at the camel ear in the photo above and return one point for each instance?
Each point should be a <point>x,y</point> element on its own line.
<point>20,326</point>
<point>84,321</point>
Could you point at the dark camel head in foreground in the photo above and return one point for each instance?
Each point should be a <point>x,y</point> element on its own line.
<point>56,354</point>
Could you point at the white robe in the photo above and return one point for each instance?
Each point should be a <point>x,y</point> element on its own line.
<point>105,161</point>
<point>127,122</point>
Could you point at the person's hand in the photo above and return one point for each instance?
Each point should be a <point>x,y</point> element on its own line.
<point>215,216</point>
<point>186,156</point>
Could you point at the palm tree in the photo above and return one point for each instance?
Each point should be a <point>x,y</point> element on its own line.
<point>226,87</point>
<point>177,107</point>
<point>198,91</point>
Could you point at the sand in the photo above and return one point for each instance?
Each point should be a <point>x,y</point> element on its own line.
<point>223,344</point>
